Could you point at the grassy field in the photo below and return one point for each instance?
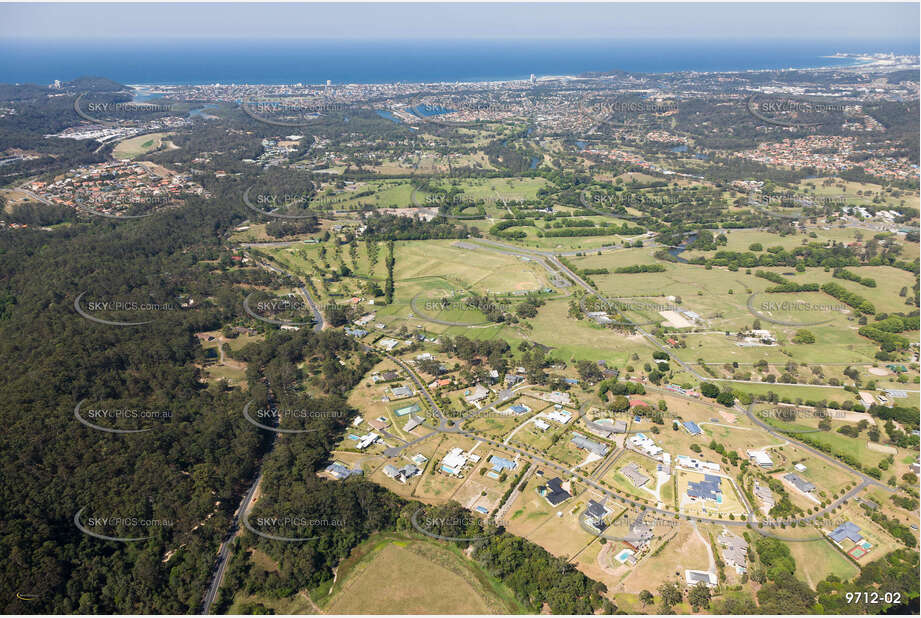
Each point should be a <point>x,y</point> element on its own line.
<point>839,443</point>
<point>393,575</point>
<point>816,560</point>
<point>134,147</point>
<point>376,193</point>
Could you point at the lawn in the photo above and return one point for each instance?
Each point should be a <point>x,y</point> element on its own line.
<point>816,560</point>
<point>385,579</point>
<point>134,147</point>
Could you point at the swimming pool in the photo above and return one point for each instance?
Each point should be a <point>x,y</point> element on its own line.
<point>623,554</point>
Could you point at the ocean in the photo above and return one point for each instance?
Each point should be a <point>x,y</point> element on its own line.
<point>361,61</point>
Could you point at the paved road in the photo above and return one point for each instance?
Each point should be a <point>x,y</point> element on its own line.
<point>319,322</point>
<point>444,427</point>
<point>223,555</point>
<point>867,480</point>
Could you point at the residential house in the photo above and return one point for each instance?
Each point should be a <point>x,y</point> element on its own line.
<point>847,530</point>
<point>635,475</point>
<point>560,416</point>
<point>366,441</point>
<point>690,463</point>
<point>479,393</point>
<point>413,422</point>
<point>735,551</point>
<point>401,392</point>
<point>644,444</point>
<point>761,458</point>
<point>553,492</point>
<point>763,493</point>
<point>340,471</point>
<point>453,462</point>
<point>500,464</point>
<point>692,428</point>
<point>591,446</point>
<point>707,489</point>
<point>595,514</point>
<point>800,483</point>
<point>401,474</point>
<point>695,577</point>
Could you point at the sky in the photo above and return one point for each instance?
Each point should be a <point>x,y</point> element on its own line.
<point>838,21</point>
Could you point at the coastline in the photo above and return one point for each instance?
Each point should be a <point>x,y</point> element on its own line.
<point>856,62</point>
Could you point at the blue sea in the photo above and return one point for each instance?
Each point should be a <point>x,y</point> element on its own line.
<point>185,61</point>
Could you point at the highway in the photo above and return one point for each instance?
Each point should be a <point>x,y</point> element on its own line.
<point>223,555</point>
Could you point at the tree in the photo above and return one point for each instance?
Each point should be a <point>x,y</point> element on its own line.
<point>620,404</point>
<point>709,390</point>
<point>645,597</point>
<point>803,336</point>
<point>670,594</point>
<point>699,596</point>
<point>726,398</point>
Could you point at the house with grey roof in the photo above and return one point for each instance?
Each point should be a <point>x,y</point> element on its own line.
<point>735,551</point>
<point>695,577</point>
<point>413,422</point>
<point>340,471</point>
<point>847,530</point>
<point>586,444</point>
<point>707,489</point>
<point>401,474</point>
<point>799,482</point>
<point>479,393</point>
<point>401,392</point>
<point>635,475</point>
<point>553,492</point>
<point>595,514</point>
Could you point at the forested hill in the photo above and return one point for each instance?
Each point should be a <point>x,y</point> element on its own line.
<point>184,476</point>
<point>53,466</point>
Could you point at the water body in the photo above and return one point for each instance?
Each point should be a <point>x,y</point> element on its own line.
<point>534,161</point>
<point>199,112</point>
<point>287,61</point>
<point>676,252</point>
<point>388,115</point>
<point>681,148</point>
